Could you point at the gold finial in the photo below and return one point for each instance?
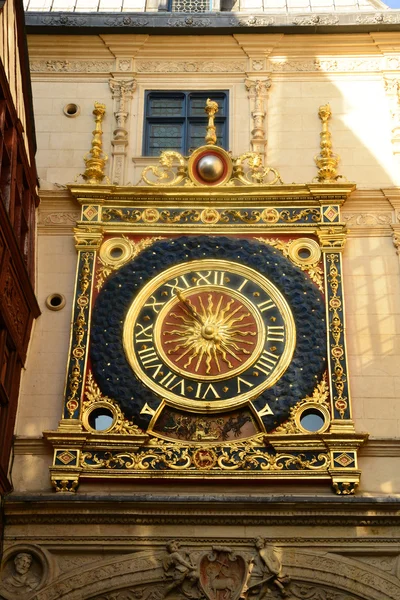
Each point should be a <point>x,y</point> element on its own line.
<point>95,159</point>
<point>326,161</point>
<point>211,108</point>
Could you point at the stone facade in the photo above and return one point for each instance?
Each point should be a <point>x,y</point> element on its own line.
<point>148,539</point>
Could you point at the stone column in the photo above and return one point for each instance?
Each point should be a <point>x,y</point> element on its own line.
<point>122,93</point>
<point>258,91</point>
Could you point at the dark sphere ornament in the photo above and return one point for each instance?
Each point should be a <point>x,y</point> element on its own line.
<point>210,167</point>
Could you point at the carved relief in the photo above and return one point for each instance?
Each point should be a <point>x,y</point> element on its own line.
<point>21,576</point>
<point>367,219</point>
<point>71,66</point>
<point>266,573</point>
<point>122,93</point>
<point>14,305</point>
<point>258,91</point>
<point>392,89</point>
<point>223,574</point>
<point>191,67</point>
<point>181,573</point>
<point>316,20</point>
<point>327,65</point>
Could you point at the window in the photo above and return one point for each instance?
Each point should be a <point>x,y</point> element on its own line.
<point>177,121</point>
<point>190,6</point>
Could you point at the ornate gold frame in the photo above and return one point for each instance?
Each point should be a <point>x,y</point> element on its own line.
<point>288,217</point>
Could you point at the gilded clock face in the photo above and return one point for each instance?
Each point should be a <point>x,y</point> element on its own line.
<point>221,327</point>
<point>209,334</point>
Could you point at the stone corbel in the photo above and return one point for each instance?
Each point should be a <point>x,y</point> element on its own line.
<point>392,89</point>
<point>122,93</point>
<point>258,92</point>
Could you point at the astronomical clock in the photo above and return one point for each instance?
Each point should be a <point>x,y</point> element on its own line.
<point>208,325</point>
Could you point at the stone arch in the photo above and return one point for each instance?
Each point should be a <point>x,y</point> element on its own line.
<point>318,574</point>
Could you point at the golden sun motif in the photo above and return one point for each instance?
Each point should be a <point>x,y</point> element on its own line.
<point>209,333</point>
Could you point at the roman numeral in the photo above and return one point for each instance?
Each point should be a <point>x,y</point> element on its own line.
<point>149,360</point>
<point>209,389</point>
<point>152,303</point>
<point>265,411</point>
<point>240,381</point>
<point>266,305</point>
<point>145,334</point>
<point>176,285</point>
<point>275,333</point>
<point>242,285</point>
<point>168,382</point>
<point>266,362</point>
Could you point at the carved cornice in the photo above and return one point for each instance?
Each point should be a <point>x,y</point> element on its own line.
<point>221,509</point>
<point>148,21</point>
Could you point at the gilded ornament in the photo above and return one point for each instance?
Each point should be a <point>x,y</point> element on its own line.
<point>95,159</point>
<point>164,175</point>
<point>291,249</point>
<point>211,109</point>
<point>128,251</point>
<point>94,399</point>
<point>79,333</point>
<point>256,174</point>
<point>318,400</point>
<point>339,377</point>
<point>326,161</point>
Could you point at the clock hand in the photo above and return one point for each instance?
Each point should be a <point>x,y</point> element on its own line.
<point>189,307</point>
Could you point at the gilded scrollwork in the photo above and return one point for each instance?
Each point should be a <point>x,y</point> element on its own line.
<point>94,398</point>
<point>339,377</point>
<point>79,333</point>
<point>310,265</point>
<point>242,457</point>
<point>129,250</point>
<point>319,398</point>
<point>165,174</point>
<point>255,173</point>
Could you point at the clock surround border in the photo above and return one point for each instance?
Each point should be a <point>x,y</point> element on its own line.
<point>326,199</point>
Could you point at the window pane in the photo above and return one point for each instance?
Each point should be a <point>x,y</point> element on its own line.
<point>197,104</point>
<point>191,6</point>
<point>197,134</point>
<point>164,136</point>
<point>166,107</point>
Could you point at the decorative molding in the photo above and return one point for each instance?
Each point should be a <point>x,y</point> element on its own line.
<point>316,20</point>
<point>124,64</point>
<point>71,66</point>
<point>392,89</point>
<point>368,219</point>
<point>189,22</point>
<point>253,22</point>
<point>348,21</point>
<point>126,21</point>
<point>378,18</point>
<point>122,94</point>
<point>258,93</point>
<point>192,66</point>
<point>328,65</point>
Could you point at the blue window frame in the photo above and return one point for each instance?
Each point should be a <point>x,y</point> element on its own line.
<point>177,121</point>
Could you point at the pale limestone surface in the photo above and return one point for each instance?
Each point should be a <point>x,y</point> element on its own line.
<point>305,72</point>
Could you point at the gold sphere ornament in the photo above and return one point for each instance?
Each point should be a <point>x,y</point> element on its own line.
<point>210,167</point>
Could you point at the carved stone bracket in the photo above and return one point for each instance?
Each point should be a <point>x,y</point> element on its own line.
<point>122,93</point>
<point>258,92</point>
